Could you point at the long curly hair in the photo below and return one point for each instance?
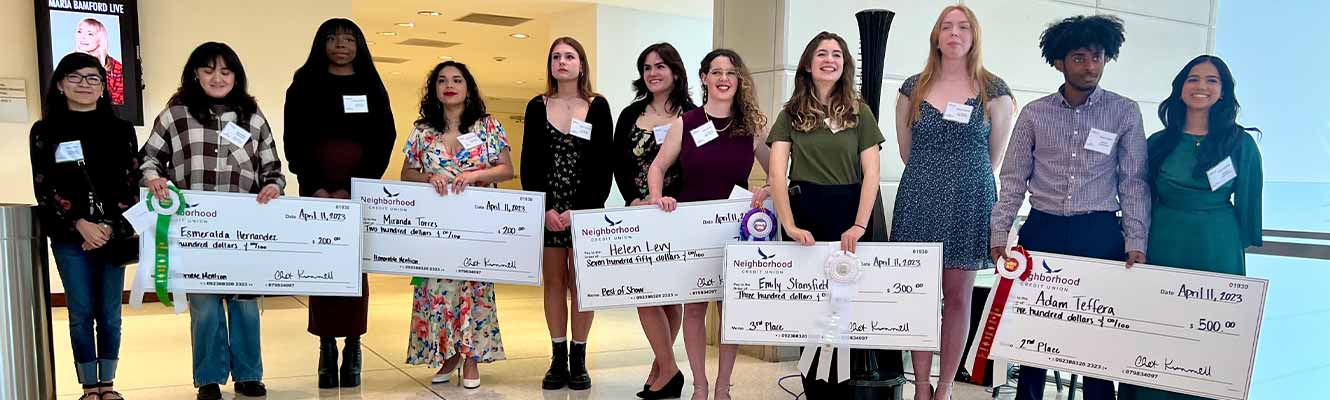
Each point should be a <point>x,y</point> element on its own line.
<point>431,107</point>
<point>748,117</point>
<point>805,111</point>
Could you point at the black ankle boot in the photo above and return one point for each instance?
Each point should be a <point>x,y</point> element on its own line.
<point>578,379</point>
<point>327,362</point>
<point>351,362</point>
<point>557,376</point>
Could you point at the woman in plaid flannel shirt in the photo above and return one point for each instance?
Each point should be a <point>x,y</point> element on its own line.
<point>187,147</point>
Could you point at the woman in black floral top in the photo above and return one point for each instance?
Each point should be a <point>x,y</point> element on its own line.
<point>84,174</point>
<point>662,96</point>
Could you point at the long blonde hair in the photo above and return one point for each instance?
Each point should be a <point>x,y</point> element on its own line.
<point>804,109</point>
<point>973,62</point>
<point>103,38</point>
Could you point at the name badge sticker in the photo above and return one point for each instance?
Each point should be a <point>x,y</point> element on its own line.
<point>69,151</point>
<point>957,112</point>
<point>704,134</point>
<point>661,132</point>
<point>234,134</point>
<point>1100,141</point>
<point>1221,173</point>
<point>355,104</point>
<point>470,140</point>
<point>580,128</point>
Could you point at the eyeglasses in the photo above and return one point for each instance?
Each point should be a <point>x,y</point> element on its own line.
<point>93,80</point>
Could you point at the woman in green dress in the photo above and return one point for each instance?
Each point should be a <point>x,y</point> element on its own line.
<point>1205,170</point>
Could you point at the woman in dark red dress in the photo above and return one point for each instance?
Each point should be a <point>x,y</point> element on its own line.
<point>338,126</point>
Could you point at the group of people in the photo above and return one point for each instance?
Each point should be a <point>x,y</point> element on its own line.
<point>1080,153</point>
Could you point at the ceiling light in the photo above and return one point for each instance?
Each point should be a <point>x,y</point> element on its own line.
<point>445,58</point>
<point>443,33</point>
<point>519,36</point>
<point>396,73</point>
<point>500,59</point>
<point>429,13</point>
<point>520,82</point>
<point>406,24</point>
<point>388,33</point>
<point>369,42</point>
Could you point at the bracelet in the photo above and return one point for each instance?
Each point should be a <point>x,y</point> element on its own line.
<point>865,228</point>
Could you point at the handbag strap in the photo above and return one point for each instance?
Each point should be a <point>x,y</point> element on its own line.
<point>94,201</point>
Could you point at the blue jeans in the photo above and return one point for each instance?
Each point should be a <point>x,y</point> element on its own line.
<point>1094,235</point>
<point>92,291</point>
<point>225,340</point>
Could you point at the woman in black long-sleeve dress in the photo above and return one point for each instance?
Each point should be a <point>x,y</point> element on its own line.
<point>338,126</point>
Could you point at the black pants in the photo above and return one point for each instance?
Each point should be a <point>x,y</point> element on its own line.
<point>827,211</point>
<point>1094,235</point>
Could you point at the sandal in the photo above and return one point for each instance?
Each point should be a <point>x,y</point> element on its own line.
<point>117,395</point>
<point>91,396</point>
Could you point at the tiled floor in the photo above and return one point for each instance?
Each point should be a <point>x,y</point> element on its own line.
<point>155,355</point>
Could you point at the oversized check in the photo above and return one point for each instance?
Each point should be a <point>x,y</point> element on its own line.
<point>228,243</point>
<point>482,234</point>
<point>776,294</point>
<point>642,256</point>
<point>1168,328</point>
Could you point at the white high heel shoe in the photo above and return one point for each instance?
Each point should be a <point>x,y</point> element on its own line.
<point>470,383</point>
<point>445,376</point>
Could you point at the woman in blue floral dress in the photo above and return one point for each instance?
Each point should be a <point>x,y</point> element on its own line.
<point>454,323</point>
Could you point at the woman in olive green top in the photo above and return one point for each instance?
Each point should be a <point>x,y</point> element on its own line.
<point>830,140</point>
<point>1202,218</point>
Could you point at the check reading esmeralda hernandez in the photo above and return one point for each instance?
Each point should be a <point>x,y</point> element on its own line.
<point>227,243</point>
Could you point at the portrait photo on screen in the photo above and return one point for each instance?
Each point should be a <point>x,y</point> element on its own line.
<point>93,34</point>
<point>105,29</point>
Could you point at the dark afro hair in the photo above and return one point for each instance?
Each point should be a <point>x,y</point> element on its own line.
<point>1093,32</point>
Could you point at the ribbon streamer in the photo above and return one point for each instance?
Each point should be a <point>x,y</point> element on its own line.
<point>1015,267</point>
<point>160,257</point>
<point>843,273</point>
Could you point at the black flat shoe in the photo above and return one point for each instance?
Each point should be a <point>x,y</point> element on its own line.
<point>251,389</point>
<point>210,392</point>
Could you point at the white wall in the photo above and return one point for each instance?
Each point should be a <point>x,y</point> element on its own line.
<point>1161,37</point>
<point>20,61</point>
<point>622,33</point>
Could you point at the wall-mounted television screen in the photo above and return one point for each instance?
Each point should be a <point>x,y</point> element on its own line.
<point>106,29</point>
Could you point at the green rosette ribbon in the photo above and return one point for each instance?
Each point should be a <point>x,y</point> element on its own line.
<point>165,209</point>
